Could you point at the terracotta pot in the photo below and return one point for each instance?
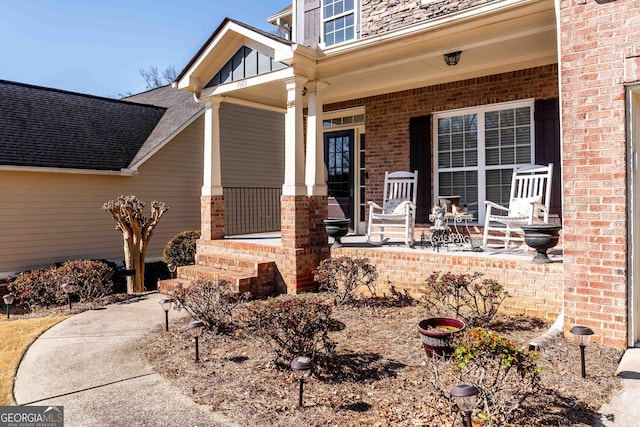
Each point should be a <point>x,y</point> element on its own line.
<point>437,334</point>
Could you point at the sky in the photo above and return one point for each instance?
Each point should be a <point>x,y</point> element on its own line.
<point>98,47</point>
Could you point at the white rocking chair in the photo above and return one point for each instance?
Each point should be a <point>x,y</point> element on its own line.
<point>397,215</point>
<point>528,204</point>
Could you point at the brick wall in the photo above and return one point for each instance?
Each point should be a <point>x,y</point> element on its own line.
<point>534,289</point>
<point>387,116</point>
<point>597,40</point>
<point>212,217</point>
<point>380,16</point>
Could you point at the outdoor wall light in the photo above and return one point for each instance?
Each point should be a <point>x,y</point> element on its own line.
<point>165,303</point>
<point>582,335</point>
<point>68,288</point>
<point>465,396</point>
<point>301,366</point>
<point>195,329</point>
<point>452,58</point>
<point>172,269</point>
<point>8,300</point>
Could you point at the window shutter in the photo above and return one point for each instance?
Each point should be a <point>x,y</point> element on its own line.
<point>420,160</point>
<point>547,129</point>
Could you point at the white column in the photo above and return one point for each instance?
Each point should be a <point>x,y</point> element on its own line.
<point>294,139</point>
<point>315,176</point>
<point>212,182</point>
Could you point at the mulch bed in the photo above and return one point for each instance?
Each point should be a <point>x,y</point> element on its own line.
<point>380,375</point>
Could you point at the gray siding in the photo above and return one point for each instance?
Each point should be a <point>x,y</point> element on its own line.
<point>251,147</point>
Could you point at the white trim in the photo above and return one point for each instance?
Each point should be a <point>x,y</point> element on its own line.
<point>273,76</point>
<point>356,23</point>
<point>121,172</point>
<point>353,111</point>
<point>252,104</point>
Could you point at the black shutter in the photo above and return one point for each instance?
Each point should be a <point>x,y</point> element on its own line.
<point>547,129</point>
<point>420,160</point>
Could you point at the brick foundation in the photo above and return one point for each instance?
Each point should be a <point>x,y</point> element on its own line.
<point>212,217</point>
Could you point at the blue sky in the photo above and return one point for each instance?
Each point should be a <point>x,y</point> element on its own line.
<point>99,46</point>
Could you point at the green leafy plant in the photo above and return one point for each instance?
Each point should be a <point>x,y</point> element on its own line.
<point>181,249</point>
<point>504,374</point>
<point>467,297</point>
<point>296,325</point>
<point>345,276</point>
<point>212,302</point>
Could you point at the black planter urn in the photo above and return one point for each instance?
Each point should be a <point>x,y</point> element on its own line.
<point>541,237</point>
<point>337,228</point>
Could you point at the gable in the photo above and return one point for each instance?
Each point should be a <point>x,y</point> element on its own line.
<point>246,62</point>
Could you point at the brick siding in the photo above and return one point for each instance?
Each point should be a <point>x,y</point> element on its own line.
<point>387,116</point>
<point>597,40</point>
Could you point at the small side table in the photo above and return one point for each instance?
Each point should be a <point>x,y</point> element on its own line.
<point>446,235</point>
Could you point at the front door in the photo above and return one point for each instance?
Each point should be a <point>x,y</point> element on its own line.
<point>338,158</point>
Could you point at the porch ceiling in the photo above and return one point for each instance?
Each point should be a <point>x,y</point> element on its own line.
<point>520,34</point>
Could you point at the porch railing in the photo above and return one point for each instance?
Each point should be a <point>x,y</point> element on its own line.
<point>251,209</point>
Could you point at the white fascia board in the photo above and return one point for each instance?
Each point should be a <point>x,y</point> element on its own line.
<point>247,83</point>
<point>121,172</point>
<point>165,141</point>
<point>241,35</point>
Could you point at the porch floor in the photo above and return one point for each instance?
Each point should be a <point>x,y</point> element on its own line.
<point>360,242</point>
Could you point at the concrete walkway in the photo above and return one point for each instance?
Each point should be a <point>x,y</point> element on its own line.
<point>623,409</point>
<point>88,364</point>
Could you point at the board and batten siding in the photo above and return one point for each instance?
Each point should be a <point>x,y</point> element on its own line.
<point>55,217</point>
<point>251,147</point>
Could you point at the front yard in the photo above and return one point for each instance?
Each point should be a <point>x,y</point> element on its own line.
<point>379,375</point>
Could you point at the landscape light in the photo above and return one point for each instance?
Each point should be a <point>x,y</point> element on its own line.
<point>465,396</point>
<point>582,335</point>
<point>301,366</point>
<point>195,329</point>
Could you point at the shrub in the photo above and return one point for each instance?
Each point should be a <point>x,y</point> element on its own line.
<point>41,287</point>
<point>211,302</point>
<point>181,249</point>
<point>93,279</point>
<point>296,325</point>
<point>464,296</point>
<point>37,288</point>
<point>344,276</point>
<point>504,374</point>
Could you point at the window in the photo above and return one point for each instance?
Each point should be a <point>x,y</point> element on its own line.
<point>477,150</point>
<point>338,21</point>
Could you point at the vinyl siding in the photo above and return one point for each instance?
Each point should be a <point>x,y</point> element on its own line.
<point>52,217</point>
<point>251,147</point>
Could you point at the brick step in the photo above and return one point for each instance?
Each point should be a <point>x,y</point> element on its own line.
<point>234,262</point>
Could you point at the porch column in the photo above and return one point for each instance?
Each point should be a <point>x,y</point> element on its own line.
<point>315,167</point>
<point>212,200</point>
<point>294,213</point>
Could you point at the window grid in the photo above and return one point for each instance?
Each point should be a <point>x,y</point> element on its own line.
<point>338,21</point>
<point>478,150</point>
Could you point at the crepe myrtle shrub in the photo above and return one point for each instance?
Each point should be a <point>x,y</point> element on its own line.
<point>181,249</point>
<point>211,301</point>
<point>344,276</point>
<point>296,326</point>
<point>467,297</point>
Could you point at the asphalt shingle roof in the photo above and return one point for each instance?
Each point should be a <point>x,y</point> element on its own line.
<point>44,127</point>
<point>182,109</point>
